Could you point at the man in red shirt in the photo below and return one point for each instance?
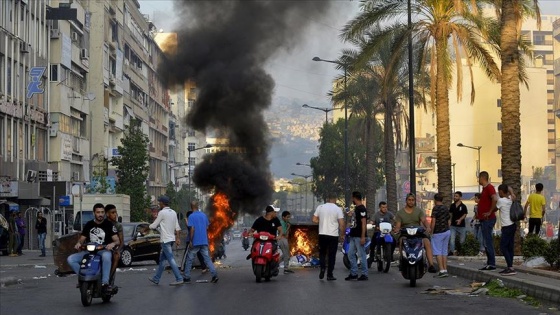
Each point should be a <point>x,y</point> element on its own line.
<point>487,216</point>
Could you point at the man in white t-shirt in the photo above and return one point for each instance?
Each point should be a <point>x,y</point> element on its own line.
<point>331,227</point>
<point>508,228</point>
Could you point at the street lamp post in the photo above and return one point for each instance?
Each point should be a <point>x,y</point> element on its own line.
<point>313,199</point>
<point>346,189</point>
<point>172,171</point>
<point>453,166</point>
<point>192,165</point>
<point>477,148</point>
<point>326,110</point>
<point>299,185</point>
<point>411,131</point>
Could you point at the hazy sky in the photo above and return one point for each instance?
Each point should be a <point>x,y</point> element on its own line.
<point>296,75</point>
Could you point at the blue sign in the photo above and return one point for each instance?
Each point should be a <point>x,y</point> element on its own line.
<point>34,86</point>
<point>96,186</point>
<point>115,152</point>
<point>14,207</point>
<point>65,201</point>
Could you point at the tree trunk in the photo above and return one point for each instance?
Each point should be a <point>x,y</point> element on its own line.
<point>511,129</point>
<point>371,190</point>
<point>445,186</point>
<point>390,168</point>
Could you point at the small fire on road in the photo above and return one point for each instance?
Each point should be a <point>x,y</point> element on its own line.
<point>304,239</point>
<point>222,219</point>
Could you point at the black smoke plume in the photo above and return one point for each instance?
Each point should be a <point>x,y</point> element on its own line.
<point>223,46</point>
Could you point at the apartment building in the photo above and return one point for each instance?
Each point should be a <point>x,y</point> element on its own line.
<point>556,79</point>
<point>24,106</point>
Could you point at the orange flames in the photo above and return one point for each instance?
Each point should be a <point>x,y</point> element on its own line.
<point>301,243</point>
<point>221,220</point>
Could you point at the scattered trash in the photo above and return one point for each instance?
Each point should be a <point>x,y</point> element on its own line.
<point>535,262</point>
<point>441,290</point>
<point>500,283</point>
<point>40,267</point>
<point>552,308</point>
<point>461,264</point>
<point>481,291</point>
<point>41,277</point>
<point>477,284</point>
<point>522,296</point>
<point>201,281</point>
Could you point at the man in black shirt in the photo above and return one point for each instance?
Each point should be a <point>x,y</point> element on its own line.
<point>98,231</point>
<point>458,211</point>
<point>268,223</point>
<point>358,239</point>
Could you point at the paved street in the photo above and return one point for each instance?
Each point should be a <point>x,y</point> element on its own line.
<point>237,293</point>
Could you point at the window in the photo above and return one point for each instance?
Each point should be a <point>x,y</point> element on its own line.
<point>499,102</point>
<point>191,146</point>
<point>500,126</point>
<point>500,172</point>
<point>499,149</point>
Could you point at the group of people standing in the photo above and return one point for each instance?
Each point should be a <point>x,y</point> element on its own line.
<point>17,230</point>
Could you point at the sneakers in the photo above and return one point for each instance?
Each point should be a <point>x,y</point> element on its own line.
<point>288,271</point>
<point>363,278</point>
<point>488,268</point>
<point>508,272</point>
<point>441,275</point>
<point>481,253</point>
<point>331,278</point>
<point>205,270</point>
<point>186,281</point>
<point>351,277</point>
<point>214,279</point>
<point>176,283</point>
<point>432,269</point>
<point>153,281</point>
<point>322,274</point>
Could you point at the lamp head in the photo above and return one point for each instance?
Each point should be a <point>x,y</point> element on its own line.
<point>316,59</point>
<point>208,146</point>
<point>305,105</point>
<point>460,144</point>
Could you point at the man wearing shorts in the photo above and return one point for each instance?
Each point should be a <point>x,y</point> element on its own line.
<point>441,220</point>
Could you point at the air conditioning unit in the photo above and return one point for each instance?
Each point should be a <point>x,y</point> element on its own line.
<point>55,33</point>
<point>24,47</point>
<point>75,37</point>
<point>31,176</point>
<point>76,176</point>
<point>112,80</point>
<point>84,54</point>
<point>53,132</point>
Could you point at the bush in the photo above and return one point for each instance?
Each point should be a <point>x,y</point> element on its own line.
<point>551,253</point>
<point>470,247</point>
<point>534,246</point>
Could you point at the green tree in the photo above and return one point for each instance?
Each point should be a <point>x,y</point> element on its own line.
<point>133,169</point>
<point>441,29</point>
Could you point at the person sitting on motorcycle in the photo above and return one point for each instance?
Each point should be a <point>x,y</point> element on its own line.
<point>245,233</point>
<point>411,215</point>
<point>269,223</point>
<point>383,215</point>
<point>112,216</point>
<point>99,231</point>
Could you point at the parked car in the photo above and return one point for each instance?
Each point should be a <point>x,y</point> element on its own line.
<point>140,243</point>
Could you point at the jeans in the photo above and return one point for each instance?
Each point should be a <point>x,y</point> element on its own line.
<point>41,238</point>
<point>203,249</point>
<point>285,247</point>
<point>535,225</point>
<point>186,255</point>
<point>478,236</point>
<point>487,228</point>
<point>354,247</point>
<point>328,243</point>
<point>506,243</point>
<point>21,242</point>
<point>167,254</point>
<point>462,231</point>
<point>106,261</point>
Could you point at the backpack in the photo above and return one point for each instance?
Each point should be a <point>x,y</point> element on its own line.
<point>516,212</point>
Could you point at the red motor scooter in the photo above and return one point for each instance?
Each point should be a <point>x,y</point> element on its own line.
<point>264,256</point>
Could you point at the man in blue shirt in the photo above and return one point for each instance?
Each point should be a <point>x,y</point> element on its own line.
<point>198,225</point>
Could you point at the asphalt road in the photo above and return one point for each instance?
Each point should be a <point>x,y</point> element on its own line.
<point>237,293</point>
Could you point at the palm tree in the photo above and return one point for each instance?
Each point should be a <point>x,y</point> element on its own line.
<point>442,27</point>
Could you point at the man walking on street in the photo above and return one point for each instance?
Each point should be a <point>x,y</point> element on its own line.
<point>331,227</point>
<point>458,212</point>
<point>169,234</point>
<point>487,217</point>
<point>198,224</point>
<point>537,203</point>
<point>358,240</point>
<point>14,235</point>
<point>41,227</point>
<point>283,243</point>
<point>20,222</point>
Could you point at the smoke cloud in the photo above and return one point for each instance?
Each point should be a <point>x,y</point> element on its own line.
<point>223,46</point>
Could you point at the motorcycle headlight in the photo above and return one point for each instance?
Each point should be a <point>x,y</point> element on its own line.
<point>263,237</point>
<point>90,247</point>
<point>411,231</point>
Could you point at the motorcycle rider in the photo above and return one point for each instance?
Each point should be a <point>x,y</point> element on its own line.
<point>411,215</point>
<point>98,231</point>
<point>245,238</point>
<point>383,215</point>
<point>271,224</point>
<point>245,233</point>
<point>112,216</point>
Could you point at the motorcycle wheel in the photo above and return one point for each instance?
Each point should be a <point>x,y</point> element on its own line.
<point>86,291</point>
<point>258,269</point>
<point>380,257</point>
<point>387,257</point>
<point>412,275</point>
<point>346,261</point>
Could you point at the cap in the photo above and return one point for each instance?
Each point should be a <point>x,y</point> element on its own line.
<point>164,199</point>
<point>269,209</point>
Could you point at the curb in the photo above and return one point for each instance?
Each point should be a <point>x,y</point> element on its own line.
<point>529,287</point>
<point>500,263</point>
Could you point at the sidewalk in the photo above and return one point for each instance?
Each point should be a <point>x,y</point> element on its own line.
<point>537,283</point>
<point>30,258</point>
